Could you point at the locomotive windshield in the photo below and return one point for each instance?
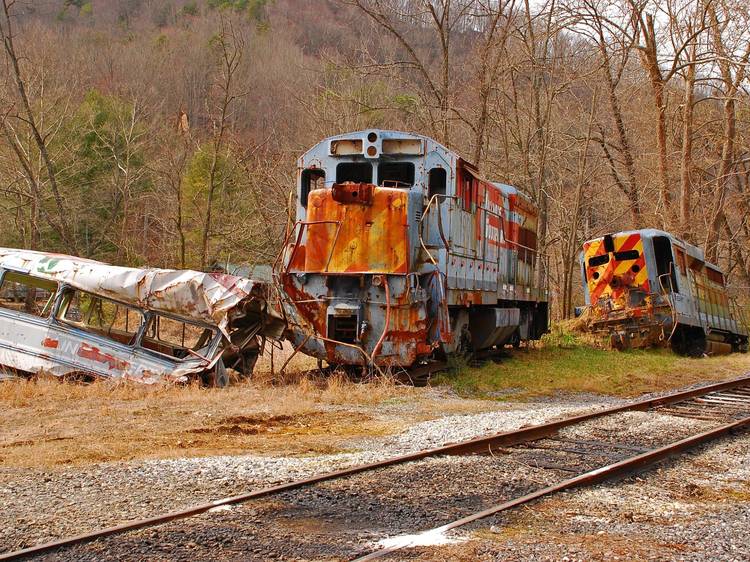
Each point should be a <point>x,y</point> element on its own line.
<point>396,174</point>
<point>357,172</point>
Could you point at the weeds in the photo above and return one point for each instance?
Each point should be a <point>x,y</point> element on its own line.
<point>571,362</point>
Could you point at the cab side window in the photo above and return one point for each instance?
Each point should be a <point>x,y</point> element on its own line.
<point>312,178</point>
<point>436,182</point>
<point>665,265</point>
<point>25,293</point>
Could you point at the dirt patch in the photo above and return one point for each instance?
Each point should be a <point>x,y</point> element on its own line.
<point>314,423</point>
<point>49,423</point>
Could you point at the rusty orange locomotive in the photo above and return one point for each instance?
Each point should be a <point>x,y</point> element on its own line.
<point>647,287</point>
<point>402,252</point>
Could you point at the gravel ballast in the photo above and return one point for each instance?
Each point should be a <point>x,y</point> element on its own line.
<point>49,504</point>
<point>694,508</point>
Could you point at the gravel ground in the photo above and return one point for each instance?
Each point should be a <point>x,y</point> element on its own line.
<point>42,505</point>
<point>692,509</point>
<point>696,508</point>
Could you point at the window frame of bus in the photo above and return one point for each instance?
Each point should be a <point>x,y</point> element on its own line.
<point>61,309</point>
<point>51,303</point>
<point>212,346</point>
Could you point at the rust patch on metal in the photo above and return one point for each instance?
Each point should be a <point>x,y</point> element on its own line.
<point>350,192</point>
<point>363,238</point>
<point>92,353</point>
<point>50,343</point>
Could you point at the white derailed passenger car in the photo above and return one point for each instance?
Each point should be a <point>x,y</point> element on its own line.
<point>70,316</point>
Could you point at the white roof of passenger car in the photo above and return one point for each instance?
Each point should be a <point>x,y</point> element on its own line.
<point>192,295</point>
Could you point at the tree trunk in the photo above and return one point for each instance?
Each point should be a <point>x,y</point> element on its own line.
<point>686,161</point>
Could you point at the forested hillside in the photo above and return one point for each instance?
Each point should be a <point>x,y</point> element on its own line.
<point>165,132</point>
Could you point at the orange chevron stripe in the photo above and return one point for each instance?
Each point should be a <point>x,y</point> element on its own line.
<point>598,287</point>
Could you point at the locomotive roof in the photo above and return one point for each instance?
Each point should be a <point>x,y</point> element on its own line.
<point>690,249</point>
<point>194,295</point>
<point>382,134</point>
<point>325,148</point>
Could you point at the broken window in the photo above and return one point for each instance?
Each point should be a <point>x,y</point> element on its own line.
<point>100,316</point>
<point>665,266</point>
<point>715,275</point>
<point>396,174</point>
<point>27,294</point>
<point>680,255</point>
<point>311,179</point>
<point>357,172</point>
<point>436,182</point>
<point>176,338</point>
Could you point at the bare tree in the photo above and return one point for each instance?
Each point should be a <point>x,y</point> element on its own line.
<point>230,45</point>
<point>732,69</point>
<point>445,19</point>
<point>605,25</point>
<point>27,116</point>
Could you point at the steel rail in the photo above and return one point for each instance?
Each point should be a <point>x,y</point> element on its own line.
<point>595,476</point>
<point>477,445</point>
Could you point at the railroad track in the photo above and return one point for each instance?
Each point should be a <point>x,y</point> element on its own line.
<point>720,409</point>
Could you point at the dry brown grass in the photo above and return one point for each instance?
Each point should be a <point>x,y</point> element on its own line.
<point>47,422</point>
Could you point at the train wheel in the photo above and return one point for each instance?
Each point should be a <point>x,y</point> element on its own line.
<point>695,346</point>
<point>689,341</point>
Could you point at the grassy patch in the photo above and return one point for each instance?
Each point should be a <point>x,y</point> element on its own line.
<point>566,363</point>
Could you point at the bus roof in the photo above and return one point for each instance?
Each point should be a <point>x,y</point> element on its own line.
<point>192,295</point>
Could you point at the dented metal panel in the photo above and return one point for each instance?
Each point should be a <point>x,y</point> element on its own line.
<point>138,336</point>
<point>357,237</point>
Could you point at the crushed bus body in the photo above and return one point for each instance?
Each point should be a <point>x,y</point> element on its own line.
<point>648,288</point>
<point>70,316</point>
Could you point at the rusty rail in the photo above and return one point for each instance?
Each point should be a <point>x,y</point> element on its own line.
<point>477,445</point>
<point>595,476</point>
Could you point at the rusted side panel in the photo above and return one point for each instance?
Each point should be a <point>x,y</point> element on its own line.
<point>356,237</point>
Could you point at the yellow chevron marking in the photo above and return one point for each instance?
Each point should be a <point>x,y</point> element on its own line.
<point>642,277</point>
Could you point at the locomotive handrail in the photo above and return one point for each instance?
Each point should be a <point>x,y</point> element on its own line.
<point>304,224</point>
<point>672,305</point>
<point>284,245</point>
<point>439,273</point>
<point>440,224</point>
